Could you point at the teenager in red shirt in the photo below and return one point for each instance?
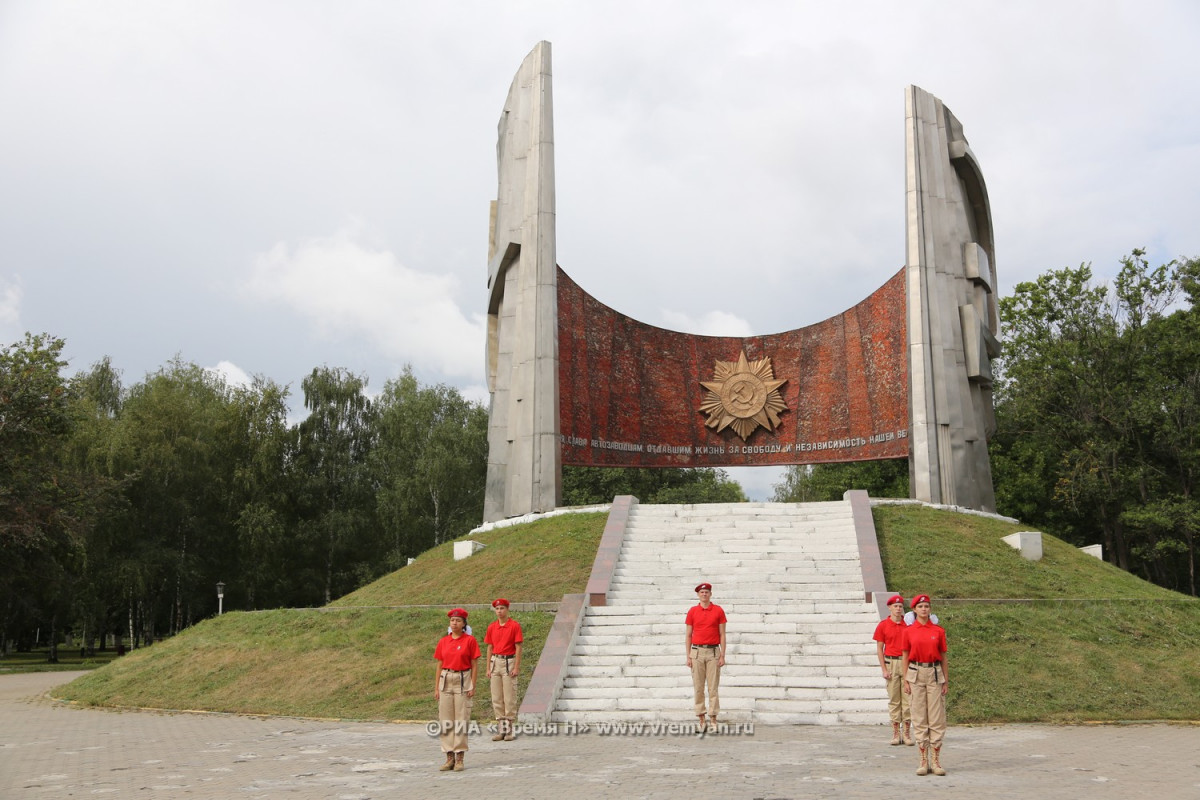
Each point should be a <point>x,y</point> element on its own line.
<point>889,649</point>
<point>926,680</point>
<point>454,688</point>
<point>705,647</point>
<point>503,640</point>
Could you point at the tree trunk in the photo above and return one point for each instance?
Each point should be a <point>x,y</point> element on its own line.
<point>132,639</point>
<point>1191,540</point>
<point>53,657</point>
<point>177,617</point>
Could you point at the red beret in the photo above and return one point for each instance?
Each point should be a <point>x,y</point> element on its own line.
<point>457,612</point>
<point>704,586</point>
<point>500,601</point>
<point>921,598</point>
<point>895,599</point>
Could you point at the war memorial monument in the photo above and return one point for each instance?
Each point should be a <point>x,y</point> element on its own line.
<point>905,373</point>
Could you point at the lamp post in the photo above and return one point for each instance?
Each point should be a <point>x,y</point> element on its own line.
<point>220,598</point>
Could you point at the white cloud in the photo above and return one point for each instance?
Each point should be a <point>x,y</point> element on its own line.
<point>11,294</point>
<point>348,290</point>
<point>750,163</point>
<point>234,375</point>
<point>710,323</point>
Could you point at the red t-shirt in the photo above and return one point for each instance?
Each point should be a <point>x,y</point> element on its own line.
<point>925,642</point>
<point>456,654</point>
<point>705,623</point>
<point>892,635</point>
<point>504,638</point>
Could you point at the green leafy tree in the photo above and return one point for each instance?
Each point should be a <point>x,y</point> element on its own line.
<point>824,482</point>
<point>35,416</point>
<point>45,505</point>
<point>259,494</point>
<point>176,451</point>
<point>335,500</point>
<point>593,485</point>
<point>1097,410</point>
<point>430,462</point>
<point>96,395</point>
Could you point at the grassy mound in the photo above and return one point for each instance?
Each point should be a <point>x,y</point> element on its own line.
<point>360,657</point>
<point>1067,638</point>
<point>538,562</point>
<point>1071,638</point>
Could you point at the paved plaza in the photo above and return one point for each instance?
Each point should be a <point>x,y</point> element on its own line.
<point>51,750</point>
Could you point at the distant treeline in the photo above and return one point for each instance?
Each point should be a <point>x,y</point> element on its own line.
<point>121,508</point>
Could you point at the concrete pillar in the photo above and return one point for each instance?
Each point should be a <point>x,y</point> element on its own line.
<point>952,312</point>
<point>524,463</point>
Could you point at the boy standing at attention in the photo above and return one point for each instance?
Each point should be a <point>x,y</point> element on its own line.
<point>889,649</point>
<point>503,640</point>
<point>705,646</point>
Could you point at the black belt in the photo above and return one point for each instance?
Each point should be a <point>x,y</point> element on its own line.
<point>925,663</point>
<point>712,646</point>
<point>892,658</point>
<point>455,671</point>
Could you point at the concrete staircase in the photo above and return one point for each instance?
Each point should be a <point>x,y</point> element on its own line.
<point>799,630</point>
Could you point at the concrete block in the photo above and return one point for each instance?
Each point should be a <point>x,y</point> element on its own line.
<point>467,548</point>
<point>1029,543</point>
<point>1094,550</point>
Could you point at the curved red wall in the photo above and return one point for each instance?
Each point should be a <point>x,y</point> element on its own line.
<point>630,393</point>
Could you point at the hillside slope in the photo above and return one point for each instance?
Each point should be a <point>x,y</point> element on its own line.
<point>1085,641</point>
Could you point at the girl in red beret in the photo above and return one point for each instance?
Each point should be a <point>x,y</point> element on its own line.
<point>454,688</point>
<point>926,681</point>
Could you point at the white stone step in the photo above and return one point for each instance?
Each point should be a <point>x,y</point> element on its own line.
<point>847,622</point>
<point>773,571</point>
<point>789,579</point>
<point>808,610</point>
<point>651,594</point>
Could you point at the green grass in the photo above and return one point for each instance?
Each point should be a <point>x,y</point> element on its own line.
<point>1073,662</point>
<point>1065,639</point>
<point>944,554</point>
<point>364,656</point>
<point>68,660</point>
<point>538,562</point>
<point>361,663</point>
<point>1093,643</point>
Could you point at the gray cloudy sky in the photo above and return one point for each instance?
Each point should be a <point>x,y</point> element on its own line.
<point>264,187</point>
